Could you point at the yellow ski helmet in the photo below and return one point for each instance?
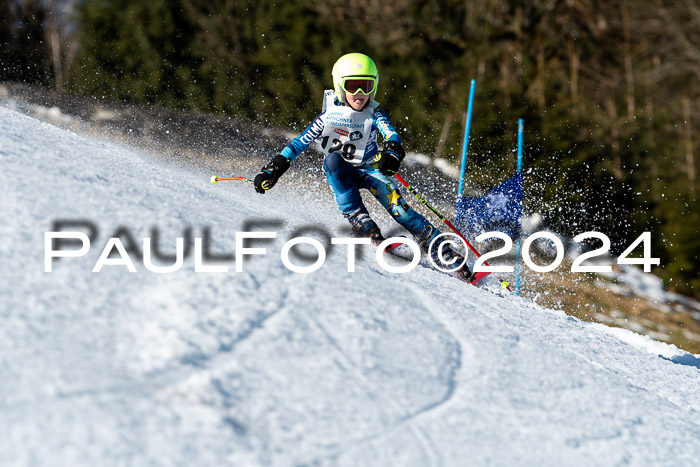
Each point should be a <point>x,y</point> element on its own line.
<point>355,73</point>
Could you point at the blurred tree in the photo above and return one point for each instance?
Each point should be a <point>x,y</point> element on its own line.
<point>24,55</point>
<point>138,52</point>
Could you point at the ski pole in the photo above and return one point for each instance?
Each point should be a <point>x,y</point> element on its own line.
<point>477,276</point>
<point>214,179</point>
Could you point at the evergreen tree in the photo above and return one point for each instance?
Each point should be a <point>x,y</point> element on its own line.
<point>23,51</point>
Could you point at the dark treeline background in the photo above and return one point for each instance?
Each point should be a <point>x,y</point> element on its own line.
<point>609,90</point>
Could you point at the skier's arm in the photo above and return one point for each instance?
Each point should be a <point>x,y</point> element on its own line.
<point>393,153</point>
<point>304,140</point>
<point>269,174</point>
<point>383,124</point>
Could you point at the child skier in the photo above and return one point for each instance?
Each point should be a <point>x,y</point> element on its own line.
<point>348,127</point>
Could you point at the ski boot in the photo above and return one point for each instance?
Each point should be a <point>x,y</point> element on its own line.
<point>452,258</point>
<point>449,258</point>
<point>364,226</point>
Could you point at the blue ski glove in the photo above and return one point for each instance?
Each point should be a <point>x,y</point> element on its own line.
<point>389,160</point>
<point>268,175</point>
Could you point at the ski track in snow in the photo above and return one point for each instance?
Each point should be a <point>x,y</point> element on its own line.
<point>271,367</point>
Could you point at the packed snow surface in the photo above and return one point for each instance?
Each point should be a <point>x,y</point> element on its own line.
<point>272,367</point>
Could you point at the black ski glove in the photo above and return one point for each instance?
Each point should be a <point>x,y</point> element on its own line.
<point>389,160</point>
<point>268,175</point>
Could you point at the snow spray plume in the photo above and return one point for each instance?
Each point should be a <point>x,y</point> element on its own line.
<point>478,275</point>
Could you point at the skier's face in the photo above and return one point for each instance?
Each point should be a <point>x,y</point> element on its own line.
<point>358,101</point>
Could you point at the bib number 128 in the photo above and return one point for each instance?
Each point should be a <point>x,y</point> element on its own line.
<point>347,150</point>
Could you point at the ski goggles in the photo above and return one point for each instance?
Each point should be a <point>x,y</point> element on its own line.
<point>365,85</point>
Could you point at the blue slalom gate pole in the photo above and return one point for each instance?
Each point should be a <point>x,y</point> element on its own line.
<point>465,143</point>
<point>517,241</point>
<point>520,144</point>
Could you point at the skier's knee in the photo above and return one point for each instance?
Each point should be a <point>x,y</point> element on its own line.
<point>335,163</point>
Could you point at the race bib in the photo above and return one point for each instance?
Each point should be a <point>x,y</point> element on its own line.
<point>346,131</point>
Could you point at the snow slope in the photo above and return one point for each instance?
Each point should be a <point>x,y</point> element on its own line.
<point>271,367</point>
